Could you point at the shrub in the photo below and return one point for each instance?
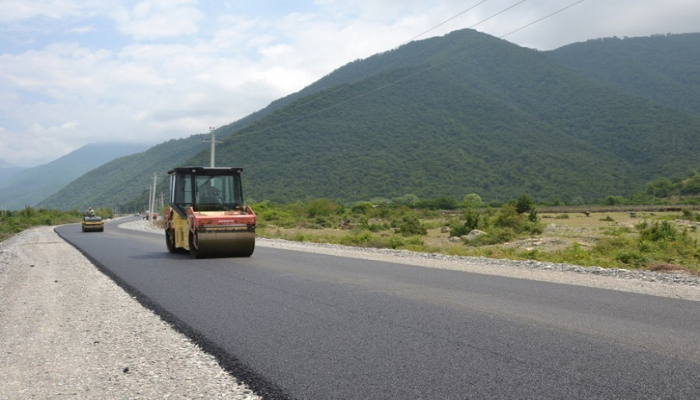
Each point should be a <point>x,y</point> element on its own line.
<point>323,207</point>
<point>360,239</point>
<point>657,231</point>
<point>323,222</point>
<point>495,235</point>
<point>415,243</point>
<point>410,225</point>
<point>508,217</point>
<point>361,207</point>
<point>395,242</point>
<point>689,215</point>
<point>472,200</point>
<point>459,229</point>
<point>629,257</point>
<point>524,204</point>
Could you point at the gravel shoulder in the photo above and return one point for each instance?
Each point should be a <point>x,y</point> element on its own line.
<point>67,330</point>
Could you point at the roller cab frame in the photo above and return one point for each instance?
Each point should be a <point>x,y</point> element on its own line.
<point>207,216</point>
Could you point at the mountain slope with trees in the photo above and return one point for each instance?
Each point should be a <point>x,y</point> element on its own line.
<point>123,179</point>
<point>464,113</point>
<point>31,185</point>
<point>479,115</point>
<point>662,68</point>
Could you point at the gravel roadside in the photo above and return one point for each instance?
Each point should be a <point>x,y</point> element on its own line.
<point>67,330</point>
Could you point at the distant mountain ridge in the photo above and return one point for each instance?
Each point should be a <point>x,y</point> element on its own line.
<point>7,170</point>
<point>662,68</point>
<point>125,179</point>
<point>31,185</point>
<point>464,113</point>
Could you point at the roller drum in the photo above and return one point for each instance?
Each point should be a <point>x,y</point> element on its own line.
<point>224,244</point>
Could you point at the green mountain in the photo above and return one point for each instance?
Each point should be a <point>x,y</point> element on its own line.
<point>464,113</point>
<point>460,114</point>
<point>123,179</point>
<point>664,68</point>
<point>29,186</point>
<point>8,170</point>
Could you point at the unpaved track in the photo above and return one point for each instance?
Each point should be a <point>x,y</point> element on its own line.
<point>67,330</point>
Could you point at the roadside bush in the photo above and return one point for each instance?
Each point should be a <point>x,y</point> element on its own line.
<point>576,254</point>
<point>415,243</point>
<point>472,220</point>
<point>508,217</point>
<point>363,239</point>
<point>630,257</point>
<point>524,204</point>
<point>459,229</point>
<point>12,222</point>
<point>690,215</point>
<point>532,227</point>
<point>657,231</point>
<point>395,242</point>
<point>357,239</point>
<point>323,222</point>
<point>410,225</point>
<point>495,235</point>
<point>361,207</point>
<point>274,214</point>
<point>323,207</point>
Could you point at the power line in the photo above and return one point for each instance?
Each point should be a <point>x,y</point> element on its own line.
<point>412,39</point>
<point>413,74</point>
<point>543,18</point>
<point>446,21</point>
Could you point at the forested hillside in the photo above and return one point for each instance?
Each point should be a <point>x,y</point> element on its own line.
<point>478,115</point>
<point>7,170</point>
<point>464,113</point>
<point>664,68</point>
<point>30,186</point>
<point>123,179</point>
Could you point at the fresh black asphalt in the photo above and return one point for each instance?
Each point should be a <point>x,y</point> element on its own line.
<point>309,326</point>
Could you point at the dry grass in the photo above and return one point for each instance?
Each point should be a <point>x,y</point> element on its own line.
<point>561,233</point>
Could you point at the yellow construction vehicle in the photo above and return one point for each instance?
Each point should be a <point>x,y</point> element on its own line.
<point>93,224</point>
<point>207,216</point>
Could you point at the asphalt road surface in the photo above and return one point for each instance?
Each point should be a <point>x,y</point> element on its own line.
<point>310,326</point>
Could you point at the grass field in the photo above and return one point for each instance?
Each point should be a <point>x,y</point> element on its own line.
<point>605,239</point>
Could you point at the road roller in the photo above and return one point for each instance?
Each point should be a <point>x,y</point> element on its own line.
<point>93,223</point>
<point>207,216</point>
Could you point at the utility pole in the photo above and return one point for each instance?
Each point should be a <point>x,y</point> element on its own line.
<point>213,145</point>
<point>152,198</point>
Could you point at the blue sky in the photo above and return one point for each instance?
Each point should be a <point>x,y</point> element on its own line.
<point>74,72</point>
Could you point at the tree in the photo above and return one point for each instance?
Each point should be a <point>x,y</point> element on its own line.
<point>691,186</point>
<point>406,200</point>
<point>322,207</point>
<point>661,187</point>
<point>472,200</point>
<point>524,204</point>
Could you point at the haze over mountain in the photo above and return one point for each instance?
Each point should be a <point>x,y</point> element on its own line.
<point>464,113</point>
<point>7,170</point>
<point>31,185</point>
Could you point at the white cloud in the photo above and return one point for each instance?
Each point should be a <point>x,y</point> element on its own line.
<point>15,11</point>
<point>155,19</point>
